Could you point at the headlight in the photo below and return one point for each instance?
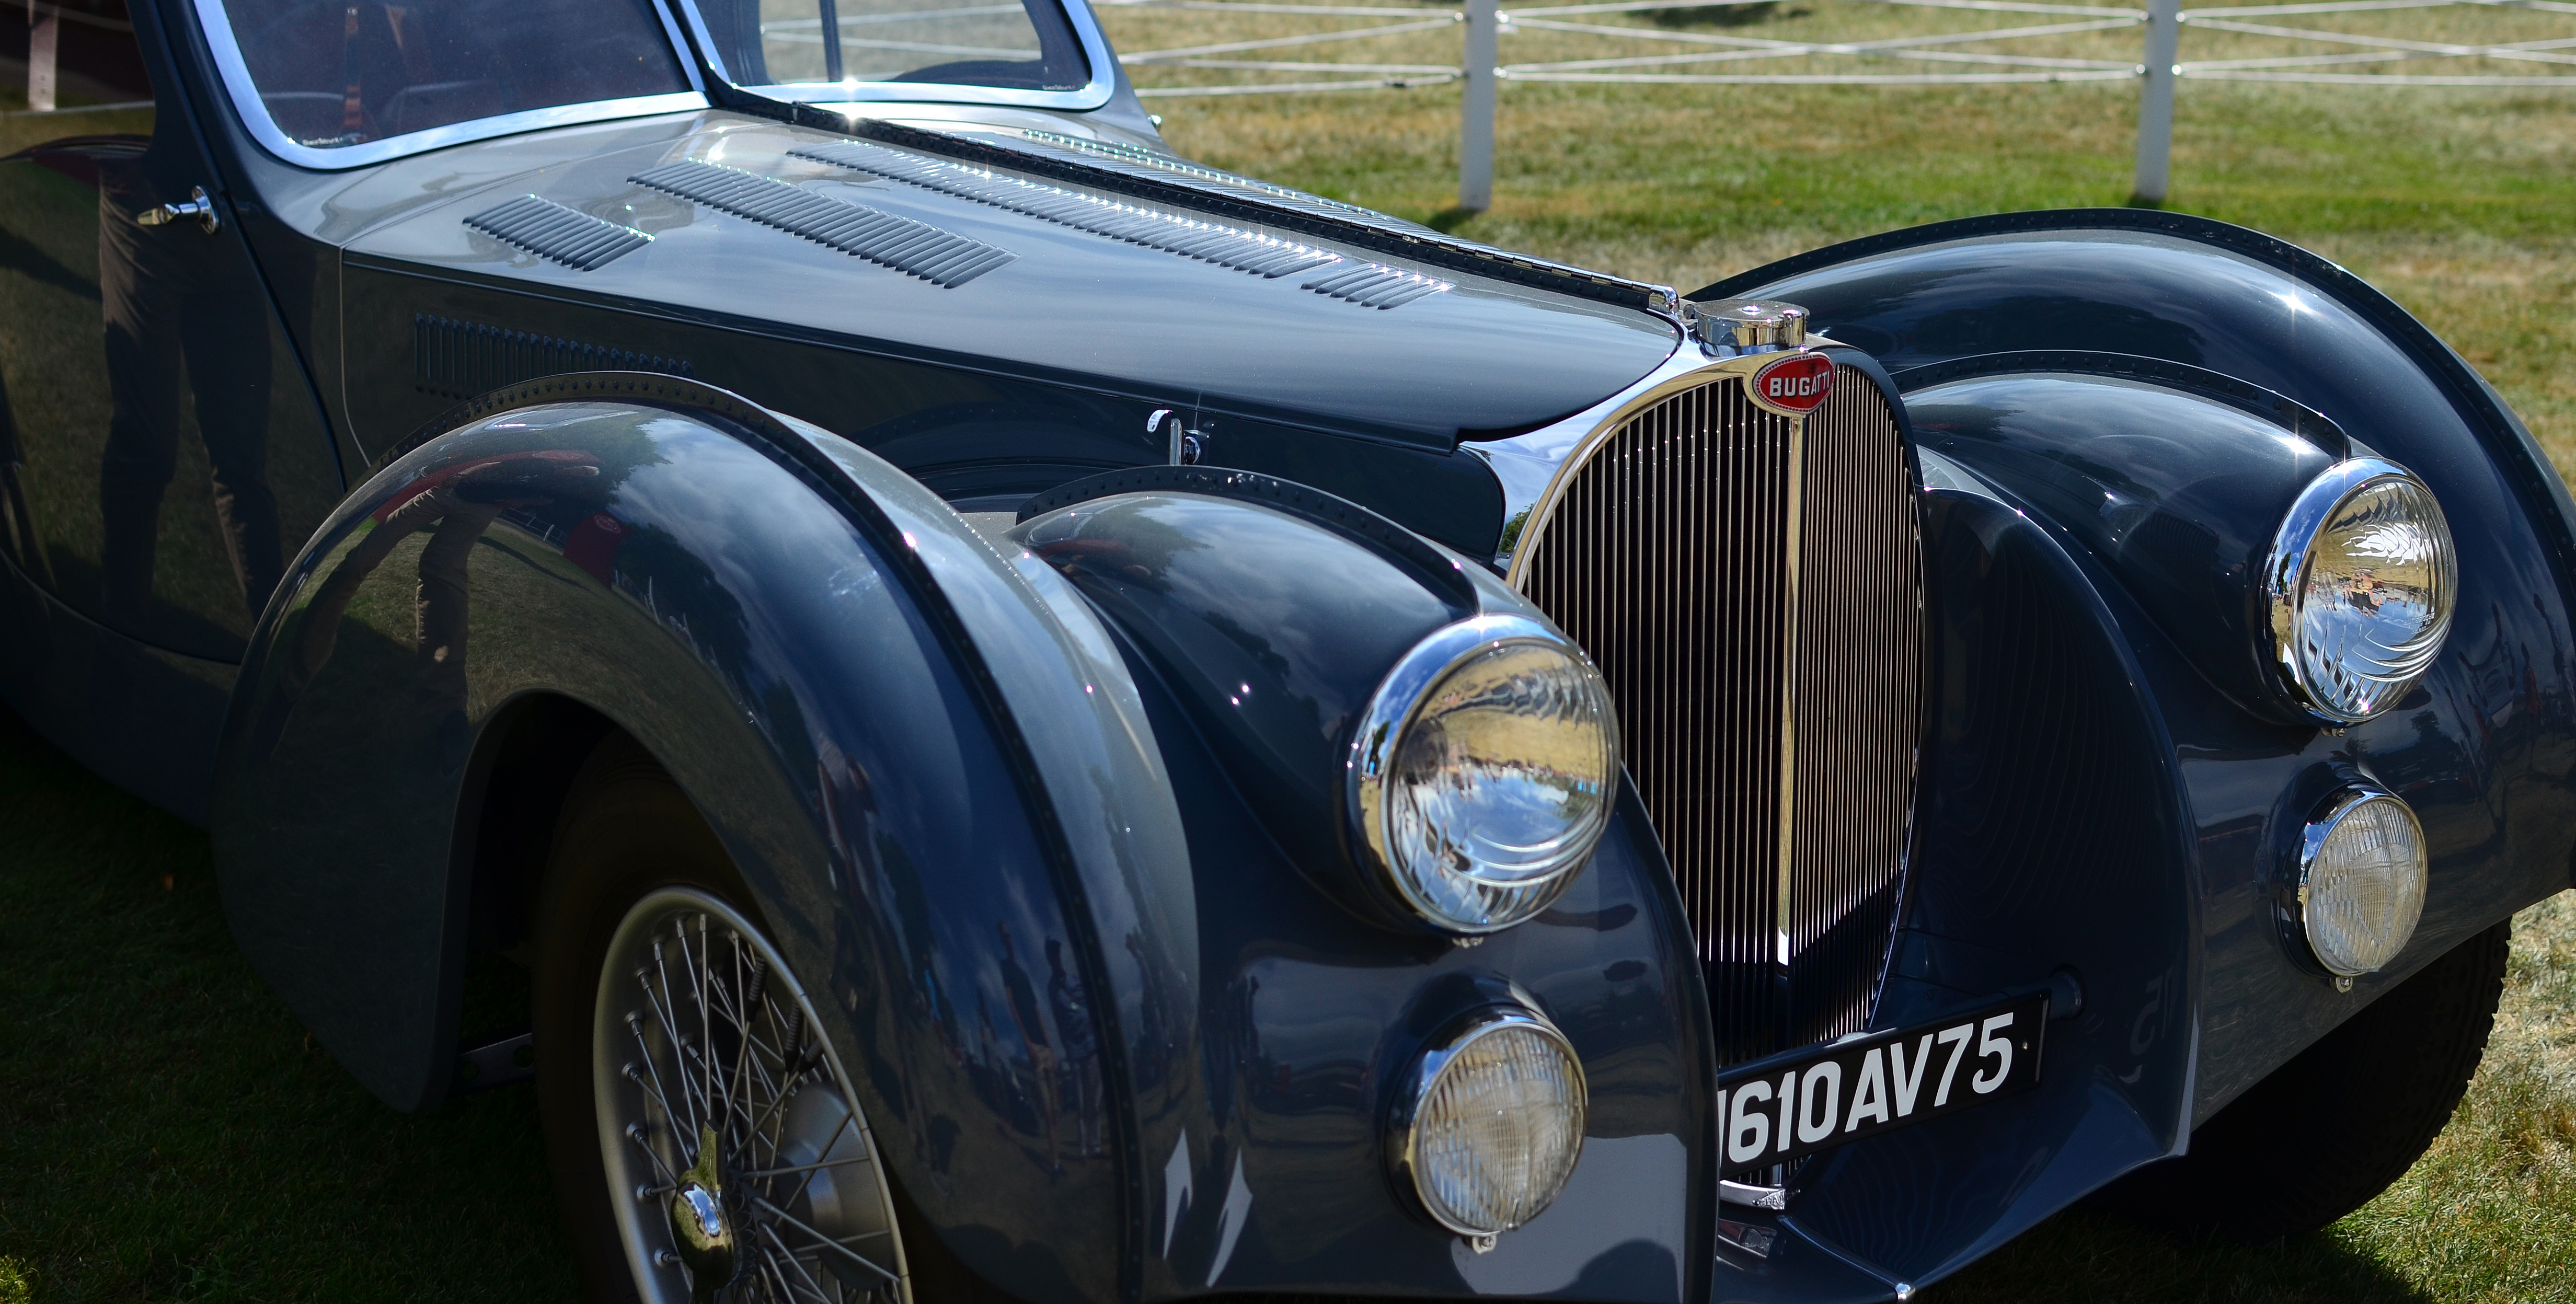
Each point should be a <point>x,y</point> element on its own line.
<point>1483,773</point>
<point>1491,1122</point>
<point>2360,584</point>
<point>2361,881</point>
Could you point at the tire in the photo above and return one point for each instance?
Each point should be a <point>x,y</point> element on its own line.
<point>2343,1119</point>
<point>642,912</point>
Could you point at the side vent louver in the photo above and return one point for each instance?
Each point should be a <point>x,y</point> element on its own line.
<point>1373,285</point>
<point>1225,246</point>
<point>1144,163</point>
<point>943,258</point>
<point>460,359</point>
<point>558,234</point>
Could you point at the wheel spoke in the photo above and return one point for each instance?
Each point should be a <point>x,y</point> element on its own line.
<point>792,1261</point>
<point>785,1290</point>
<point>644,1049</point>
<point>802,1168</point>
<point>666,1010</point>
<point>753,998</point>
<point>807,1180</point>
<point>647,1147</point>
<point>759,1119</point>
<point>821,1241</point>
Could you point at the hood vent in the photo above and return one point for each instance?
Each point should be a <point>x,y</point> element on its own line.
<point>558,234</point>
<point>1297,199</point>
<point>943,258</point>
<point>1374,285</point>
<point>1225,246</point>
<point>1179,184</point>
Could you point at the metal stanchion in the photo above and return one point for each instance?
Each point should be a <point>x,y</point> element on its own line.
<point>2156,101</point>
<point>43,38</point>
<point>1476,126</point>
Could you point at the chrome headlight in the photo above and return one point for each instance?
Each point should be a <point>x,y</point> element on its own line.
<point>1491,1122</point>
<point>1483,773</point>
<point>2361,881</point>
<point>2360,586</point>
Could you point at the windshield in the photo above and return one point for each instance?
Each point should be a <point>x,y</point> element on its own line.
<point>332,73</point>
<point>1017,44</point>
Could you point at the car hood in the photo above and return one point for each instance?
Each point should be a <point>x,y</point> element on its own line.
<point>1170,292</point>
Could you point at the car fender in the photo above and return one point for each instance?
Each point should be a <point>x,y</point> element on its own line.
<point>2480,749</point>
<point>907,742</point>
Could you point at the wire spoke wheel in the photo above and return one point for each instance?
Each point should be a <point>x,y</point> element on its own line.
<point>738,1163</point>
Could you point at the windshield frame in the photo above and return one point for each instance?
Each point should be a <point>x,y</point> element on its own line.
<point>1094,94</point>
<point>216,24</point>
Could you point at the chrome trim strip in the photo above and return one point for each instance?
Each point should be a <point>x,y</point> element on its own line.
<point>1565,446</point>
<point>1095,52</point>
<point>218,28</point>
<point>1752,1196</point>
<point>1792,551</point>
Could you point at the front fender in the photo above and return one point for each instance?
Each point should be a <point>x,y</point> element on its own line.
<point>2485,750</point>
<point>915,751</point>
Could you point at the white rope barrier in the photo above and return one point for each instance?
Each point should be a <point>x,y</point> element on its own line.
<point>1829,79</point>
<point>1278,42</point>
<point>1980,65</point>
<point>2374,79</point>
<point>1293,88</point>
<point>2519,50</point>
<point>1835,47</point>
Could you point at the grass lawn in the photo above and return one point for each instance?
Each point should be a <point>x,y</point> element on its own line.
<point>166,1133</point>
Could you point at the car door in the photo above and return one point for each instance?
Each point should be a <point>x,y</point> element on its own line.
<point>161,452</point>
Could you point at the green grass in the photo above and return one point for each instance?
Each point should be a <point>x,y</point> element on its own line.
<point>2460,204</point>
<point>166,1129</point>
<point>166,1133</point>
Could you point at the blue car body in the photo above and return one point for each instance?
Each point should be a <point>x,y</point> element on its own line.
<point>780,514</point>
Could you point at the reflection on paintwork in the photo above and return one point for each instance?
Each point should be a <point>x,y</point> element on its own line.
<point>160,450</point>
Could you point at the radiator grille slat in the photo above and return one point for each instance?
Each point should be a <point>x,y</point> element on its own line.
<point>1752,593</point>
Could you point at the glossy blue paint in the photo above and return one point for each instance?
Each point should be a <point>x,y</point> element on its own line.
<point>1074,309</point>
<point>940,752</point>
<point>2486,747</point>
<point>1273,633</point>
<point>2177,492</point>
<point>761,627</point>
<point>1310,1014</point>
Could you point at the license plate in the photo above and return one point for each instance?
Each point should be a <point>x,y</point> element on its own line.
<point>1789,1108</point>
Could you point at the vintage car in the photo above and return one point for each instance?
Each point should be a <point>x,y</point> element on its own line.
<point>1047,722</point>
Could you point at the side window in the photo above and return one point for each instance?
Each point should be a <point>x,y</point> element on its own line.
<point>160,454</point>
<point>333,74</point>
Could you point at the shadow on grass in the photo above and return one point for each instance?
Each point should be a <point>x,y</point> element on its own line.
<point>2083,1255</point>
<point>165,1127</point>
<point>1448,220</point>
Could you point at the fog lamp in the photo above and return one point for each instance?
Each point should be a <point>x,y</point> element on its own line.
<point>1491,1122</point>
<point>1482,774</point>
<point>2360,586</point>
<point>2361,881</point>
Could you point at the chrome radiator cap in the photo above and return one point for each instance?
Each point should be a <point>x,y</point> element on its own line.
<point>1726,327</point>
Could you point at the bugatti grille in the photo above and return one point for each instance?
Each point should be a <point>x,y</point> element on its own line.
<point>1753,595</point>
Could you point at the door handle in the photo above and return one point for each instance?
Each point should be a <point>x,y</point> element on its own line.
<point>197,206</point>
